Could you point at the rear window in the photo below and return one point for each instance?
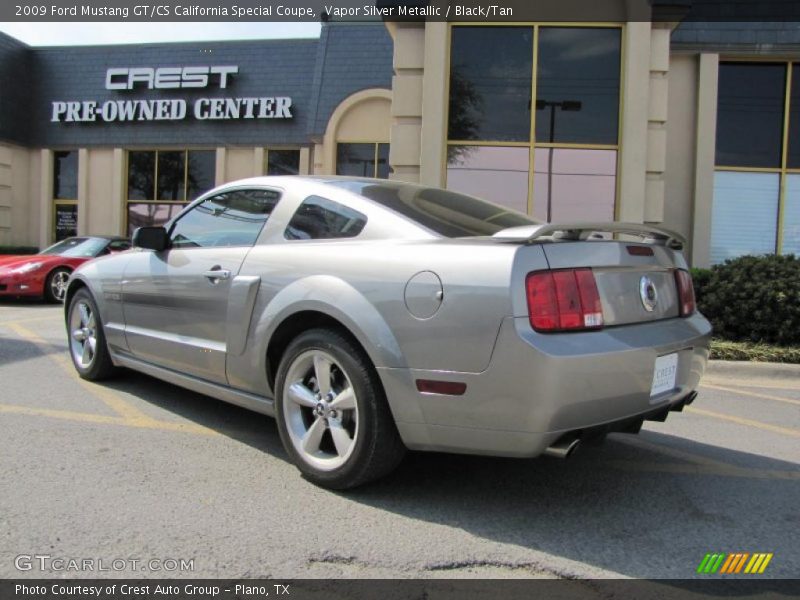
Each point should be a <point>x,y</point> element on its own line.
<point>318,218</point>
<point>447,213</point>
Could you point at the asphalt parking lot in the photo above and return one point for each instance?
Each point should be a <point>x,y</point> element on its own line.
<point>139,470</point>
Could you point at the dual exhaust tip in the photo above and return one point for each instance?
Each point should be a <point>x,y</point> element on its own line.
<point>565,447</point>
<point>562,449</point>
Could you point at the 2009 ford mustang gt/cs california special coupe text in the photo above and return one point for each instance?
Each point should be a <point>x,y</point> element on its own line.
<point>371,316</point>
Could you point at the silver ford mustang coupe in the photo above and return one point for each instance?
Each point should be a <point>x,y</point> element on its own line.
<point>372,316</point>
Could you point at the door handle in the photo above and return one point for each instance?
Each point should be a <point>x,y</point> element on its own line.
<point>216,274</point>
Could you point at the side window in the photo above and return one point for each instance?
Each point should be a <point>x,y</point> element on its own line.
<point>318,218</point>
<point>230,219</point>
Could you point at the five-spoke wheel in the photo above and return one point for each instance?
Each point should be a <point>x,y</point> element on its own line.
<point>87,343</point>
<point>83,334</point>
<point>332,414</point>
<point>55,287</point>
<point>321,410</point>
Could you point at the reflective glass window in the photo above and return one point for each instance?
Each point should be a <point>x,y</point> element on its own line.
<point>750,114</point>
<point>744,214</point>
<point>576,185</point>
<point>283,162</point>
<point>141,175</point>
<point>490,83</point>
<point>149,214</point>
<point>791,216</point>
<point>201,172</point>
<point>171,176</point>
<point>355,159</point>
<point>794,120</point>
<point>495,173</point>
<point>65,175</point>
<point>577,85</point>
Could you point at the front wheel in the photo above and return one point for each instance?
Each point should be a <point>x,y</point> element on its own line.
<point>87,341</point>
<point>55,285</point>
<point>332,414</point>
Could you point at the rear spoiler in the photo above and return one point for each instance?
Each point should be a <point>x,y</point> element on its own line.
<point>584,231</point>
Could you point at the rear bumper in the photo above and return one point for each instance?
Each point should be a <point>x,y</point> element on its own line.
<point>540,387</point>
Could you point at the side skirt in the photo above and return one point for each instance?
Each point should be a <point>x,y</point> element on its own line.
<point>246,400</point>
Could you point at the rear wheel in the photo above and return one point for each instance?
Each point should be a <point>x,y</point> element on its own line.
<point>55,285</point>
<point>87,341</point>
<point>332,414</point>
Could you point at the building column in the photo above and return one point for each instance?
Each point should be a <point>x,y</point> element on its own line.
<point>119,185</point>
<point>219,171</point>
<point>258,161</point>
<point>406,113</point>
<point>305,161</point>
<point>634,127</point>
<point>706,136</point>
<point>434,105</point>
<point>83,191</point>
<point>46,199</point>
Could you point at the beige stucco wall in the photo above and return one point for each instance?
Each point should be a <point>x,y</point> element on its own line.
<point>17,204</point>
<point>361,117</point>
<point>99,215</point>
<point>420,107</point>
<point>681,132</point>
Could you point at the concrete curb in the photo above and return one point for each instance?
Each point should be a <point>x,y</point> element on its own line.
<point>740,369</point>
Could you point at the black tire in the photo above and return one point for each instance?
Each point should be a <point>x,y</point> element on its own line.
<point>55,287</point>
<point>98,365</point>
<point>376,445</point>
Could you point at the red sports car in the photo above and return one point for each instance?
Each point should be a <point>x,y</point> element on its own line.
<point>46,274</point>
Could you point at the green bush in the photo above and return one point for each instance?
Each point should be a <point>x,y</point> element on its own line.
<point>700,277</point>
<point>752,299</point>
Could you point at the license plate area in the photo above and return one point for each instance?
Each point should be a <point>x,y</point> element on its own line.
<point>665,374</point>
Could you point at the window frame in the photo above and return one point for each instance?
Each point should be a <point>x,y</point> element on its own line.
<point>56,202</point>
<point>532,144</point>
<point>783,170</point>
<point>183,203</point>
<point>375,154</point>
<point>268,149</point>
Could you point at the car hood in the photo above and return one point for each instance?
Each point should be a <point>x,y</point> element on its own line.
<point>9,262</point>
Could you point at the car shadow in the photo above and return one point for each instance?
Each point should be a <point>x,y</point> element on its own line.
<point>26,302</point>
<point>253,429</point>
<point>646,506</point>
<point>13,349</point>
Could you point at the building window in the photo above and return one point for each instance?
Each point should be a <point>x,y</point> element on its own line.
<point>65,194</point>
<point>363,159</point>
<point>162,182</point>
<point>282,161</point>
<point>533,119</point>
<point>756,206</point>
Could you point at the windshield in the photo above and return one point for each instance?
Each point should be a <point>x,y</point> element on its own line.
<point>447,213</point>
<point>77,247</point>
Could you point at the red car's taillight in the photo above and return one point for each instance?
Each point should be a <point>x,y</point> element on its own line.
<point>563,300</point>
<point>683,281</point>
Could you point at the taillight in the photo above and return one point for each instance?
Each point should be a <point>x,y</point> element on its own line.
<point>563,300</point>
<point>683,281</point>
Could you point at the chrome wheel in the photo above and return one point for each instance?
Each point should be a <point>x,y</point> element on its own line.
<point>83,334</point>
<point>320,410</point>
<point>57,284</point>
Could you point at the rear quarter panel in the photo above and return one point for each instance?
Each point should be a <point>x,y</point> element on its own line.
<point>362,284</point>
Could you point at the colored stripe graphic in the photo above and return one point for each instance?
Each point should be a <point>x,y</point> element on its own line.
<point>734,563</point>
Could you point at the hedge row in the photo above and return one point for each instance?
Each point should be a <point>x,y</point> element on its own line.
<point>752,299</point>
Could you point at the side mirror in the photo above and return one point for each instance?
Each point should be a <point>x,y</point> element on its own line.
<point>151,238</point>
